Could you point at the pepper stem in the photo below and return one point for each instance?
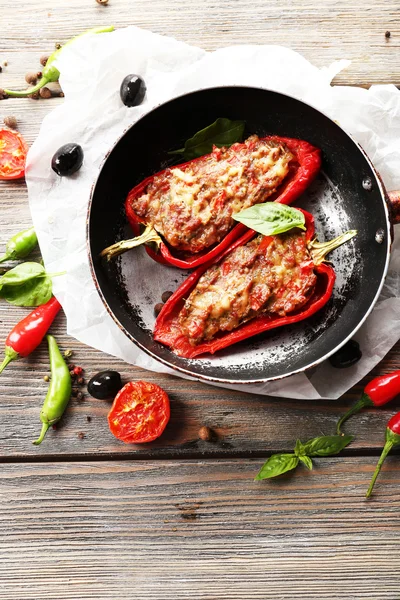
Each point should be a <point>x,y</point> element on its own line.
<point>10,355</point>
<point>4,258</point>
<point>364,401</point>
<point>40,439</point>
<point>32,90</point>
<point>386,449</point>
<point>319,250</point>
<point>148,235</point>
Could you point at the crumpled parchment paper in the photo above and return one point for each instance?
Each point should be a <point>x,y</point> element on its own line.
<point>93,114</point>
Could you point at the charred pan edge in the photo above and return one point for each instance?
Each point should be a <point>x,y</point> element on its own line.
<point>186,371</point>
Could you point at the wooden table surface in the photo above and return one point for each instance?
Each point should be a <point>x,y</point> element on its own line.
<point>84,516</point>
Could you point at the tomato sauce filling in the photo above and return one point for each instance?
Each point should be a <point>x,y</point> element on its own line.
<point>192,206</point>
<point>269,274</point>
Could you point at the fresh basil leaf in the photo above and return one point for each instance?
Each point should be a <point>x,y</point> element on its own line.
<point>271,218</point>
<point>327,445</point>
<point>223,132</point>
<point>33,292</point>
<point>299,449</point>
<point>276,465</point>
<point>307,461</point>
<point>21,274</point>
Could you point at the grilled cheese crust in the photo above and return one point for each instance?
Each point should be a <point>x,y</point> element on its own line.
<point>192,206</point>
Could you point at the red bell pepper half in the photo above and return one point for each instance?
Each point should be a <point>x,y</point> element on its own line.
<point>302,171</point>
<point>167,329</point>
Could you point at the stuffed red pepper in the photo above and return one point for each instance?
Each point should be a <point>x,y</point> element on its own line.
<point>260,283</point>
<point>187,210</point>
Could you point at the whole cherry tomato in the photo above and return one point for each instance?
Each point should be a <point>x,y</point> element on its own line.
<point>13,149</point>
<point>140,412</point>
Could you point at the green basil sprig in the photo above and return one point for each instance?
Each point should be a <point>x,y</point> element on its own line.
<point>27,284</point>
<point>271,218</point>
<point>223,132</point>
<point>326,445</point>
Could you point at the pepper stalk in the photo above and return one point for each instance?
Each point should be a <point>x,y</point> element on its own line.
<point>149,235</point>
<point>50,73</point>
<point>319,250</point>
<point>392,439</point>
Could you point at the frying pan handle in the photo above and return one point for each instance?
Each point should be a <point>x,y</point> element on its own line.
<point>394,206</point>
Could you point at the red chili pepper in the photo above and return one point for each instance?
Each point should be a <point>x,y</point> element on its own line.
<point>28,333</point>
<point>392,439</point>
<point>167,329</point>
<point>303,169</point>
<point>378,392</point>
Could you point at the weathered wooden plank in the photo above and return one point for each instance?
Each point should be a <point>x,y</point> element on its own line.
<point>176,530</point>
<point>322,32</point>
<point>245,424</point>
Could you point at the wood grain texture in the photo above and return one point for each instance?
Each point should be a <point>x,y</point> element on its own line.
<point>177,530</point>
<point>321,31</point>
<point>244,424</point>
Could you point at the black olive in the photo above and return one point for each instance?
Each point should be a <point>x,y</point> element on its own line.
<point>105,384</point>
<point>67,160</point>
<point>347,356</point>
<point>132,90</point>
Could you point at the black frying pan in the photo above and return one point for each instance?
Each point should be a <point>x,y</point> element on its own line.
<point>347,195</point>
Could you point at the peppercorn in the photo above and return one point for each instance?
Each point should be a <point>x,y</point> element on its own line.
<point>61,94</point>
<point>81,435</point>
<point>46,378</point>
<point>79,396</point>
<point>5,63</point>
<point>68,353</point>
<point>158,308</point>
<point>102,1</point>
<point>45,92</point>
<point>34,96</point>
<point>10,122</point>
<point>88,419</point>
<point>206,434</point>
<point>78,370</point>
<point>57,45</point>
<point>81,381</point>
<point>166,295</point>
<point>43,59</point>
<point>39,74</point>
<point>3,95</point>
<point>1,69</point>
<point>387,34</point>
<point>71,366</point>
<point>31,77</point>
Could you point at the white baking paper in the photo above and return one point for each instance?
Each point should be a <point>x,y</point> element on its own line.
<point>92,113</point>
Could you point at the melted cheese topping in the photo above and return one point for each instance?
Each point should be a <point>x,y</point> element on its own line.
<point>192,206</point>
<point>271,276</point>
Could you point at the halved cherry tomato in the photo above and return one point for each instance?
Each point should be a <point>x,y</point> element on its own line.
<point>140,412</point>
<point>13,149</point>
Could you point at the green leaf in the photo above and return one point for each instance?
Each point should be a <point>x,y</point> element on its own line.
<point>271,218</point>
<point>21,274</point>
<point>307,461</point>
<point>276,465</point>
<point>33,292</point>
<point>223,132</point>
<point>327,445</point>
<point>299,449</point>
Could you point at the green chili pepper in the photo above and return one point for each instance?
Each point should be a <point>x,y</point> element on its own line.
<point>59,392</point>
<point>20,245</point>
<point>50,73</point>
